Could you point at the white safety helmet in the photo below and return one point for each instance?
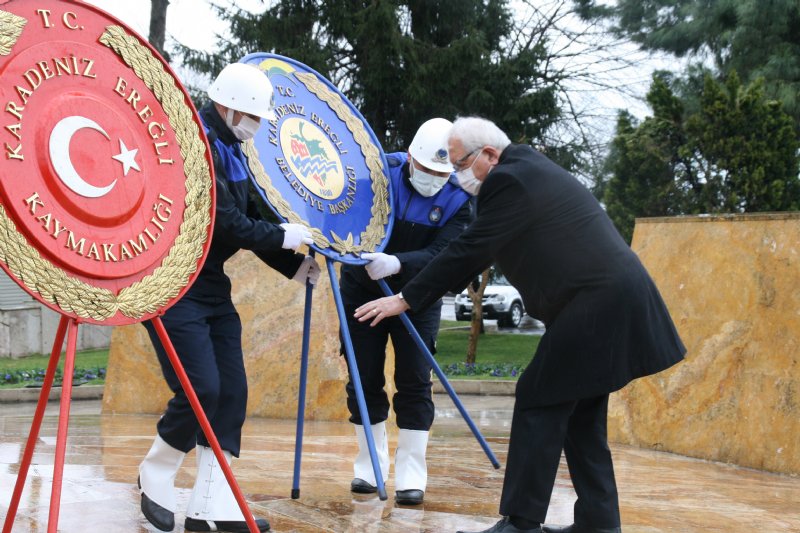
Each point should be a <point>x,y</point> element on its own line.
<point>429,146</point>
<point>244,88</point>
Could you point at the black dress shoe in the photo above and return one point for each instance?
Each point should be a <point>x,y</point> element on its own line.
<point>360,486</point>
<point>161,518</point>
<point>575,528</point>
<point>409,497</point>
<point>505,526</point>
<point>193,524</point>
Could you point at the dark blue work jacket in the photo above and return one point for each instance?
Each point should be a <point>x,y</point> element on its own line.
<point>238,223</point>
<point>422,228</point>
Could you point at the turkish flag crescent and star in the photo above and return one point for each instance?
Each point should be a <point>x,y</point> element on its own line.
<point>106,182</point>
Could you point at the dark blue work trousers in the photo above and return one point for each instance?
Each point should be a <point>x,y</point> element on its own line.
<point>207,336</point>
<point>412,402</point>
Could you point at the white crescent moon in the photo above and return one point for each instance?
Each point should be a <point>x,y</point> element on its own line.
<point>60,138</point>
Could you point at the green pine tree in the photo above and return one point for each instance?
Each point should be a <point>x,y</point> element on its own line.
<point>755,38</point>
<point>403,62</point>
<point>737,152</point>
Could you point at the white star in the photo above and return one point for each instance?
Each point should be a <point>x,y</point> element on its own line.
<point>127,158</point>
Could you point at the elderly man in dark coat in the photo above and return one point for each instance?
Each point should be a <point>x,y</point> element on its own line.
<point>606,321</point>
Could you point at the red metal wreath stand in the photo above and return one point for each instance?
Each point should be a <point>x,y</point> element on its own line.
<point>69,326</point>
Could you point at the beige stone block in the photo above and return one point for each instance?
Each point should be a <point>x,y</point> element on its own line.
<point>732,286</point>
<point>134,383</point>
<point>271,308</point>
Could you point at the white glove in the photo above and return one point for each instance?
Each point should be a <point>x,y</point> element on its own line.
<point>381,265</point>
<point>296,234</point>
<point>309,270</point>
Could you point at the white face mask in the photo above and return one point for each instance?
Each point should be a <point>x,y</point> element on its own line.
<point>426,184</point>
<point>245,129</point>
<point>466,178</point>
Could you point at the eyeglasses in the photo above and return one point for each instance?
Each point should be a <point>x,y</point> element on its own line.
<point>459,164</point>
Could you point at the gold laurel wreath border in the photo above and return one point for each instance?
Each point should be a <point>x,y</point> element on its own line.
<point>11,27</point>
<point>375,230</point>
<point>148,295</point>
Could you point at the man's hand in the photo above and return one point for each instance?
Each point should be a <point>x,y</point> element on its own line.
<point>295,235</point>
<point>377,310</point>
<point>308,271</point>
<point>381,265</point>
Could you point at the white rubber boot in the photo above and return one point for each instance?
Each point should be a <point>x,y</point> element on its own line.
<point>410,469</point>
<point>212,506</point>
<point>364,477</point>
<point>157,483</point>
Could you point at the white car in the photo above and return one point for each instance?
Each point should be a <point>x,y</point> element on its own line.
<point>501,301</point>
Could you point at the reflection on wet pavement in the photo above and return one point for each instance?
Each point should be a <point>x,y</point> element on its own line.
<point>659,492</point>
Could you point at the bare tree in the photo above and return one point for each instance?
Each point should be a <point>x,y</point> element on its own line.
<point>476,323</point>
<point>158,26</point>
<point>595,74</point>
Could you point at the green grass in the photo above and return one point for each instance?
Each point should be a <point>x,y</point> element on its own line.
<point>500,356</point>
<point>16,373</point>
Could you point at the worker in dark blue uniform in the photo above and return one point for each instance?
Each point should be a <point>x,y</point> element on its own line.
<point>204,326</point>
<point>429,211</point>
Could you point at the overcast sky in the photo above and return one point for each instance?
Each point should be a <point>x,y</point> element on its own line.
<point>194,24</point>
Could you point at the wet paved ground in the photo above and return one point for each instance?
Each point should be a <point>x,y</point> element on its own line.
<point>659,492</point>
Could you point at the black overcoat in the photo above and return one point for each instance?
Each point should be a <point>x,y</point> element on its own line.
<point>606,321</point>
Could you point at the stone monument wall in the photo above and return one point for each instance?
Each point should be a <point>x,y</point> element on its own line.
<point>271,309</point>
<point>732,284</point>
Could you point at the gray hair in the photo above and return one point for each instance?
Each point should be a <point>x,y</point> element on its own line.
<point>475,132</point>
